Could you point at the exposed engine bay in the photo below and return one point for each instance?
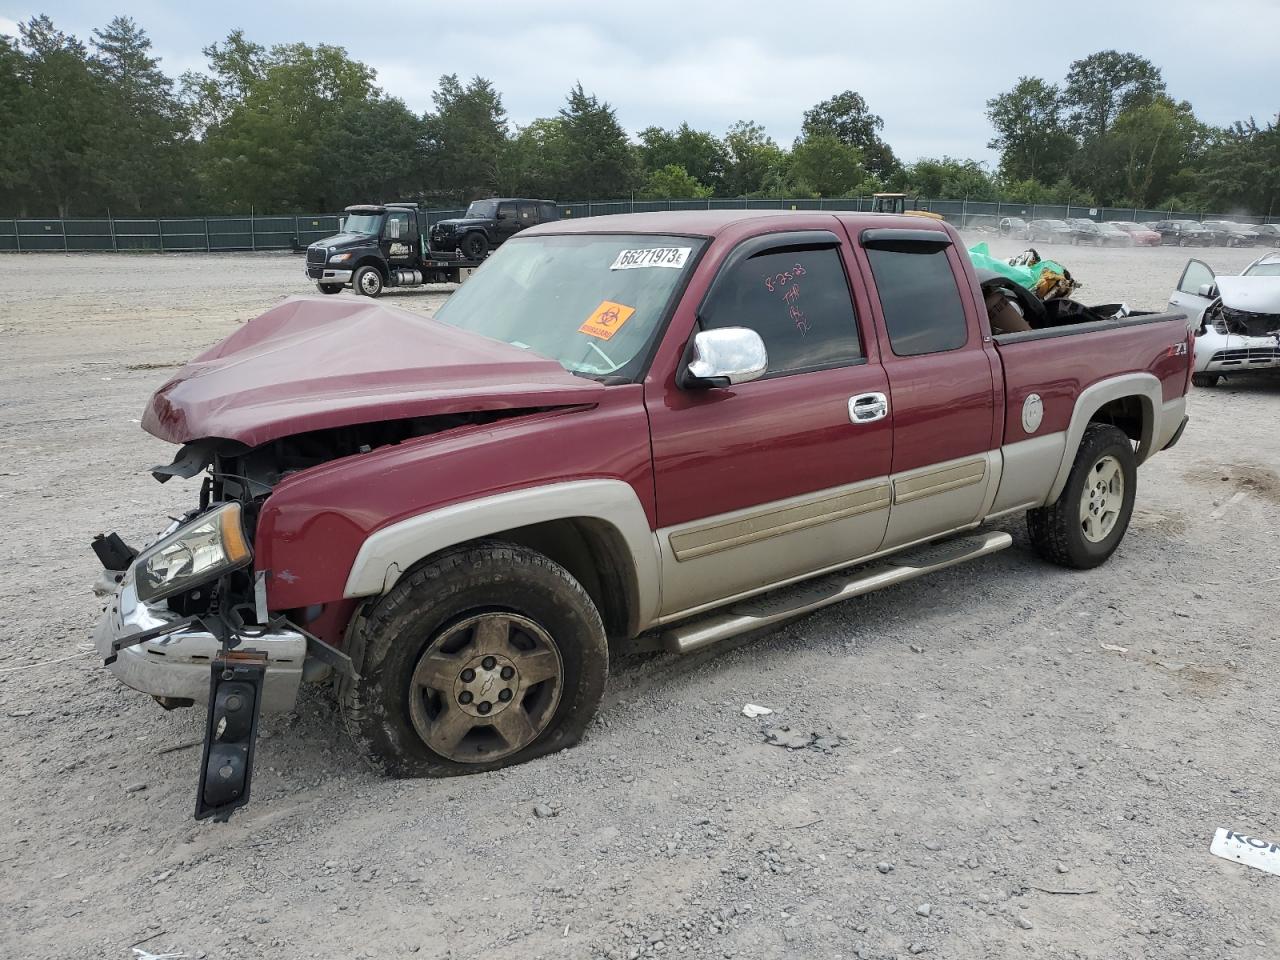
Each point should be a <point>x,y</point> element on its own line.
<point>1242,323</point>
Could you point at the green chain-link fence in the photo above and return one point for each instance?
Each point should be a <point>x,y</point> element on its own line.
<point>214,234</point>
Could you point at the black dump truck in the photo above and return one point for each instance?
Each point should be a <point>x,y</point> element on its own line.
<point>382,246</point>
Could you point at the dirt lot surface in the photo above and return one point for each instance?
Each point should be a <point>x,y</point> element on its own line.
<point>1018,760</point>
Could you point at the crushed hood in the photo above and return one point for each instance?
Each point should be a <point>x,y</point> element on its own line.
<point>313,363</point>
<point>1255,294</point>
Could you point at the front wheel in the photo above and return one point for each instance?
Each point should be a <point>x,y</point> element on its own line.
<point>1083,527</point>
<point>485,657</point>
<point>330,288</point>
<point>475,245</point>
<point>1205,379</point>
<point>367,281</point>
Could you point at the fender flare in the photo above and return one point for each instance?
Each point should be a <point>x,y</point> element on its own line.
<point>387,553</point>
<point>1145,386</point>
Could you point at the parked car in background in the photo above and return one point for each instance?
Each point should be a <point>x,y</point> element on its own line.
<point>982,222</point>
<point>1236,319</point>
<point>1268,234</point>
<point>1140,234</point>
<point>1183,233</point>
<point>1049,231</point>
<point>1099,234</point>
<point>1013,227</point>
<point>1227,233</point>
<point>488,224</point>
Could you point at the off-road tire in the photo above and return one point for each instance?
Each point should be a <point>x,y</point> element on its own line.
<point>475,245</point>
<point>1205,380</point>
<point>1056,531</point>
<point>487,575</point>
<point>367,281</point>
<point>330,288</point>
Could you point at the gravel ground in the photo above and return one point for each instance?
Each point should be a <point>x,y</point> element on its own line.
<point>1015,759</point>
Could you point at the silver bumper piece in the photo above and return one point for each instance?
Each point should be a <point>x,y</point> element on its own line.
<point>330,276</point>
<point>177,665</point>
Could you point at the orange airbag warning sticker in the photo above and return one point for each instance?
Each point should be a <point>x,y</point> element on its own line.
<point>606,320</point>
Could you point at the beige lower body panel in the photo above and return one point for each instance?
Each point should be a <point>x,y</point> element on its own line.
<point>939,497</point>
<point>1030,467</point>
<point>711,560</point>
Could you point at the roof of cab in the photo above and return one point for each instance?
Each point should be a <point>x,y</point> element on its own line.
<point>709,223</point>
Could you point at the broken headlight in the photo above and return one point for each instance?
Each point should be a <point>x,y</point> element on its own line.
<point>202,550</point>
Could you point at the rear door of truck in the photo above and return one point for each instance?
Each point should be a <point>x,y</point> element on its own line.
<point>942,383</point>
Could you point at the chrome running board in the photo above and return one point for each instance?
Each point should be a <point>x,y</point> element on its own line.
<point>789,602</point>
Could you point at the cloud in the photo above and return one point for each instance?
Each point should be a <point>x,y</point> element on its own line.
<point>8,28</point>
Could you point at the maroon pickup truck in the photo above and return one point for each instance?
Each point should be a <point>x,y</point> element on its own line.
<point>678,426</point>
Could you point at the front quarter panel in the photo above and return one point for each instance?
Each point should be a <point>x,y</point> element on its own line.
<point>315,523</point>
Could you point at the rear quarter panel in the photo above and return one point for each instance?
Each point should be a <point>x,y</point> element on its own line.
<point>1059,368</point>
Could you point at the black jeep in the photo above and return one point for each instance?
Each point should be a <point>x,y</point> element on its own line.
<point>487,223</point>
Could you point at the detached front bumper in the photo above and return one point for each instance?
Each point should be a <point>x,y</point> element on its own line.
<point>176,666</point>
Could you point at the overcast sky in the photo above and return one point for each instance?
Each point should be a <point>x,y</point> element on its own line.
<point>926,66</point>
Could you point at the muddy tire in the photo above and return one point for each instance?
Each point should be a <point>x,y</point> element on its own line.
<point>330,288</point>
<point>487,656</point>
<point>1083,527</point>
<point>1205,380</point>
<point>367,282</point>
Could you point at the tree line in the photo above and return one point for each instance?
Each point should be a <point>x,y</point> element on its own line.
<point>98,126</point>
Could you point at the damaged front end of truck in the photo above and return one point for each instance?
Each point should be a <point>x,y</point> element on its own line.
<point>190,618</point>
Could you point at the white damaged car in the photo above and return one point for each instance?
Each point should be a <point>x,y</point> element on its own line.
<point>1236,319</point>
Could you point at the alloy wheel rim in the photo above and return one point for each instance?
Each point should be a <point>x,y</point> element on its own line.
<point>369,283</point>
<point>1101,499</point>
<point>486,687</point>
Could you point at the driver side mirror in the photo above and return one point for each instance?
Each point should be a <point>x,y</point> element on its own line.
<point>726,357</point>
<point>1205,290</point>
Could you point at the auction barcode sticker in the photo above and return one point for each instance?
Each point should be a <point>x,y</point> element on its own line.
<point>673,257</point>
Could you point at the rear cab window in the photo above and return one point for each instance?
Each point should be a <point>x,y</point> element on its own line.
<point>920,298</point>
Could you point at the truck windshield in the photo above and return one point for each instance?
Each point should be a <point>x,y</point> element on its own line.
<point>483,209</point>
<point>593,303</point>
<point>369,224</point>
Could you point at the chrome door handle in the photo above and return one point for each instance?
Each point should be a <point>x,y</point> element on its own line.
<point>867,407</point>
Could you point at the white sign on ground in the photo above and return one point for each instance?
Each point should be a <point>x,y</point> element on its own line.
<point>1251,851</point>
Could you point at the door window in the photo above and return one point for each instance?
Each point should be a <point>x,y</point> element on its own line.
<point>507,211</point>
<point>922,308</point>
<point>1196,275</point>
<point>528,213</point>
<point>798,300</point>
<point>397,226</point>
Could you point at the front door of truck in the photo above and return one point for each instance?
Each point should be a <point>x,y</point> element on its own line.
<point>400,238</point>
<point>771,480</point>
<point>941,383</point>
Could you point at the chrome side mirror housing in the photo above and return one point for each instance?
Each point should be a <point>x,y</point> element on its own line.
<point>725,357</point>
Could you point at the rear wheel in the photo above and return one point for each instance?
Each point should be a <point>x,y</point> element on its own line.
<point>330,287</point>
<point>1205,379</point>
<point>487,656</point>
<point>475,245</point>
<point>1083,527</point>
<point>367,281</point>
